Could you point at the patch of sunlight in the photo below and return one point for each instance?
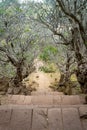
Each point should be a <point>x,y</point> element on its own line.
<point>73,77</point>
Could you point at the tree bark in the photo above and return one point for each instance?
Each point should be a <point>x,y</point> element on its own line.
<point>81,57</point>
<point>82,78</point>
<point>65,76</point>
<point>18,78</point>
<point>65,83</point>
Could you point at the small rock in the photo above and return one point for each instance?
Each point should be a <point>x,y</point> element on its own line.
<point>37,76</point>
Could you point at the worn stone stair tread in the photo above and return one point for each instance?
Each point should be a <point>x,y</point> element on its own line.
<point>43,111</point>
<point>46,93</point>
<point>26,118</point>
<point>43,100</point>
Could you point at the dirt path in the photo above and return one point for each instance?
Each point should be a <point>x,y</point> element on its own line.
<point>42,81</point>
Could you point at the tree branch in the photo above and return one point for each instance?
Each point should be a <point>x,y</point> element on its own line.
<point>82,6</point>
<point>68,13</point>
<point>2,49</point>
<point>51,28</point>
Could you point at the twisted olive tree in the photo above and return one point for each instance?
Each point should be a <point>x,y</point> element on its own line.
<point>17,43</point>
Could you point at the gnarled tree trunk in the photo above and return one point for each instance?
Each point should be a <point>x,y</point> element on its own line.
<point>18,78</point>
<point>65,77</point>
<point>65,83</point>
<point>81,57</point>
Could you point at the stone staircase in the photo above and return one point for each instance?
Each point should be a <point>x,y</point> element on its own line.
<point>43,99</point>
<point>43,111</point>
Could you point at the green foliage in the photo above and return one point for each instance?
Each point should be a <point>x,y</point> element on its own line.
<point>73,77</point>
<point>66,34</point>
<point>44,57</point>
<point>50,2</point>
<point>47,69</point>
<point>47,51</point>
<point>1,30</point>
<point>2,11</point>
<point>6,3</point>
<point>16,37</point>
<point>7,70</point>
<point>18,9</point>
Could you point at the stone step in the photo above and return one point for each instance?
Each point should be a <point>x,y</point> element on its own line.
<point>26,118</point>
<point>43,100</point>
<point>46,93</point>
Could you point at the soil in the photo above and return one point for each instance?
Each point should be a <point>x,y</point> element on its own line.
<point>41,81</point>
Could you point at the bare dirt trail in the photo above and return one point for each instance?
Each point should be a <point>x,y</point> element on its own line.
<point>42,81</point>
